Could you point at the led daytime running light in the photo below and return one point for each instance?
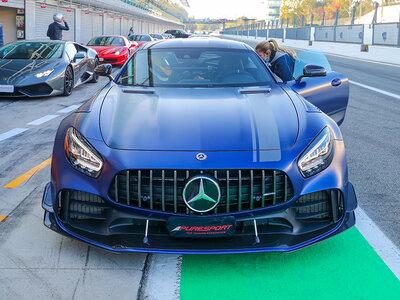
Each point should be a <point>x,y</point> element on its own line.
<point>81,154</point>
<point>44,74</point>
<point>318,154</point>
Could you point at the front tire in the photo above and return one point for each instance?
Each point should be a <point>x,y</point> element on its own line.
<point>68,81</point>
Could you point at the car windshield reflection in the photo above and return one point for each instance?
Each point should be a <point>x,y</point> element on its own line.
<point>32,50</point>
<point>191,67</point>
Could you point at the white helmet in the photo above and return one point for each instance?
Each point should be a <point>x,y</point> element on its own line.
<point>57,17</point>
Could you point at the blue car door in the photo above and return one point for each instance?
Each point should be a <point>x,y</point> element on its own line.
<point>329,93</point>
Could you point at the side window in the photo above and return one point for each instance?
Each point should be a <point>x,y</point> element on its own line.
<point>71,51</point>
<point>80,48</point>
<point>136,71</point>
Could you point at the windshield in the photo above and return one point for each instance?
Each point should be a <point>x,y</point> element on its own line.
<point>157,36</point>
<point>107,41</point>
<point>195,67</point>
<point>312,57</point>
<point>32,50</point>
<point>139,37</point>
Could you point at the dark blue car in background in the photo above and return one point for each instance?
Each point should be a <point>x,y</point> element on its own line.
<point>196,147</point>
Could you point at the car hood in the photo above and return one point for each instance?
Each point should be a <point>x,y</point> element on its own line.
<point>202,119</point>
<point>13,71</point>
<point>104,50</point>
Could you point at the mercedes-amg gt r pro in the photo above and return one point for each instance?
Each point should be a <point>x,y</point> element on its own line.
<point>196,147</point>
<point>45,68</point>
<point>114,49</point>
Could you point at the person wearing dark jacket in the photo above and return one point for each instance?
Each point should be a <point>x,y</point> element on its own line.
<point>281,59</point>
<point>1,35</point>
<point>54,32</point>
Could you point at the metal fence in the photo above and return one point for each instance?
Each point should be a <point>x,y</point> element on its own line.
<point>275,33</point>
<point>349,34</point>
<point>325,34</point>
<point>298,33</point>
<point>342,34</point>
<point>387,34</point>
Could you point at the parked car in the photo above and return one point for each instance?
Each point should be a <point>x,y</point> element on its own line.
<point>140,39</point>
<point>178,33</point>
<point>167,36</point>
<point>158,37</point>
<point>196,147</point>
<point>45,68</point>
<point>112,49</point>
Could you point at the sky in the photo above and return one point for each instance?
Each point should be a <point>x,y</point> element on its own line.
<point>229,9</point>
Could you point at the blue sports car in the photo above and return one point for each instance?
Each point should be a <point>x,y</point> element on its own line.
<point>196,147</point>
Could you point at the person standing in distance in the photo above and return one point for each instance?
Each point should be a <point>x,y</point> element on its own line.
<point>130,32</point>
<point>54,32</point>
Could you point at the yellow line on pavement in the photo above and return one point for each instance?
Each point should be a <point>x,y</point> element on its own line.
<point>27,175</point>
<point>2,218</point>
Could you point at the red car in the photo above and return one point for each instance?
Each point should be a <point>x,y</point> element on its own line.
<point>140,39</point>
<point>113,49</point>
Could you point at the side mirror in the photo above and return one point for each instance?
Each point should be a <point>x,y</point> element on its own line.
<point>104,70</point>
<point>312,71</point>
<point>133,44</point>
<point>79,55</point>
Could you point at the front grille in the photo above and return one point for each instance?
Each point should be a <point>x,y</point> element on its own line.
<point>161,190</point>
<point>36,90</point>
<point>111,60</point>
<point>320,206</point>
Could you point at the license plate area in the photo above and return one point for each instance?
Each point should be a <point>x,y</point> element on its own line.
<point>6,88</point>
<point>186,227</point>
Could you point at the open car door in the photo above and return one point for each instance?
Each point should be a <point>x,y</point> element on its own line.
<point>330,93</point>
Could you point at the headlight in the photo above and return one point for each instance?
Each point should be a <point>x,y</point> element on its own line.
<point>119,51</point>
<point>81,154</point>
<point>318,155</point>
<point>44,74</point>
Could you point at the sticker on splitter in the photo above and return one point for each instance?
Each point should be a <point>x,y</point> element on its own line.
<point>206,228</point>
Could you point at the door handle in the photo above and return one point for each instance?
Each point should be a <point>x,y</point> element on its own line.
<point>336,82</point>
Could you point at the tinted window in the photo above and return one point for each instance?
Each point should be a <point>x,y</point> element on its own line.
<point>71,50</point>
<point>107,41</point>
<point>139,37</point>
<point>156,36</point>
<point>313,57</point>
<point>32,50</point>
<point>195,67</point>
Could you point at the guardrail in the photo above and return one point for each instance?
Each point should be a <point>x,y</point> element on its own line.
<point>387,34</point>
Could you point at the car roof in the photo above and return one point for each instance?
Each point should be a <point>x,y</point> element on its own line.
<point>41,41</point>
<point>108,35</point>
<point>197,43</point>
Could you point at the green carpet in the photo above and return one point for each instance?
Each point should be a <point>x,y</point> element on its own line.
<point>344,267</point>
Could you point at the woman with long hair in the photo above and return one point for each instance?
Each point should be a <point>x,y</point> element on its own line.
<point>282,59</point>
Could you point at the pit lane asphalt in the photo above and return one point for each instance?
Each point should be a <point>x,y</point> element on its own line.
<point>35,262</point>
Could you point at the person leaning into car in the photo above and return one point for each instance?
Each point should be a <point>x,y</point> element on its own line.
<point>54,32</point>
<point>281,59</point>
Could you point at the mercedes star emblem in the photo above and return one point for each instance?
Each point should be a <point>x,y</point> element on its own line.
<point>201,193</point>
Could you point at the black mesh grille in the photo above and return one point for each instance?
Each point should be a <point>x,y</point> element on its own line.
<point>325,205</point>
<point>78,205</point>
<point>36,90</point>
<point>161,190</point>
